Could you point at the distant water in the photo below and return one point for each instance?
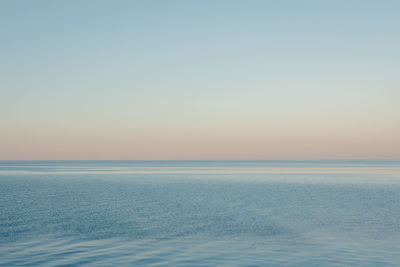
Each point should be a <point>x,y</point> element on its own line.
<point>200,213</point>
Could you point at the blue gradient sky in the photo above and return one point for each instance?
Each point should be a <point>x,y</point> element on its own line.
<point>200,79</point>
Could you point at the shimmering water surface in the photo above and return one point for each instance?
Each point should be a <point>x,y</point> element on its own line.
<point>200,213</point>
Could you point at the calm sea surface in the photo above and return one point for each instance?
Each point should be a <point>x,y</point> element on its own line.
<point>200,213</point>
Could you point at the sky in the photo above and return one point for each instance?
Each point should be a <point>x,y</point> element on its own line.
<point>207,80</point>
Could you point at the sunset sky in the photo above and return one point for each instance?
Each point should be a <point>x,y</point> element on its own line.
<point>199,80</point>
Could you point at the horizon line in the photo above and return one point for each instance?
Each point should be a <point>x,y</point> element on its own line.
<point>360,159</point>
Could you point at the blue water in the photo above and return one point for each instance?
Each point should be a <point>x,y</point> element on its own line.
<point>200,213</point>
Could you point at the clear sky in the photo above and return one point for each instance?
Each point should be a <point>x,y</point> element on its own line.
<point>278,79</point>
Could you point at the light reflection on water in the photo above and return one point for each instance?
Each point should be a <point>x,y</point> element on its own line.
<point>200,213</point>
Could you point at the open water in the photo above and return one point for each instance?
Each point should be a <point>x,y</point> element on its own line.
<point>200,213</point>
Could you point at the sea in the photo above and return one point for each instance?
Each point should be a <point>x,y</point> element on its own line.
<point>200,213</point>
